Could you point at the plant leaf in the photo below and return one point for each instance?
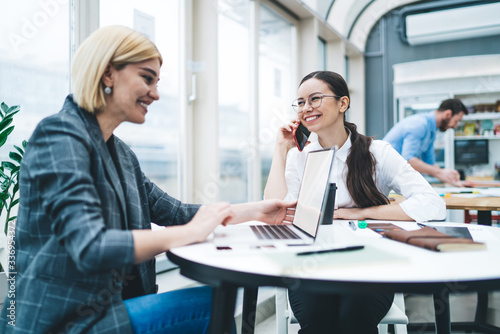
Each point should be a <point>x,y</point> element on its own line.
<point>13,110</point>
<point>5,134</point>
<point>14,203</point>
<point>5,123</point>
<point>9,169</point>
<point>20,150</point>
<point>15,156</point>
<point>8,165</point>
<point>4,107</point>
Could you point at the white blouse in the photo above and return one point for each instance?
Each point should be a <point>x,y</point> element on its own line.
<point>392,172</point>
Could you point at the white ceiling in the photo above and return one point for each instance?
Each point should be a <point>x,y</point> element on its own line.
<point>353,20</point>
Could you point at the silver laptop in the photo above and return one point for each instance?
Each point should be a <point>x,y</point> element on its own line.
<point>310,211</point>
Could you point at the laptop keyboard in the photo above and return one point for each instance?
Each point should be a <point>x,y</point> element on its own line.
<point>270,232</point>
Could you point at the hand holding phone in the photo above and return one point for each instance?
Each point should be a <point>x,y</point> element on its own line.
<point>301,135</point>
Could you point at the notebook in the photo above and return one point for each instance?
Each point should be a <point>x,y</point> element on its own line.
<point>309,213</point>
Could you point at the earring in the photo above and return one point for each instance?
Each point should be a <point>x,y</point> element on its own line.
<point>107,90</point>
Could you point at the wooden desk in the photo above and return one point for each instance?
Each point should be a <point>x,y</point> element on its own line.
<point>476,203</point>
<point>483,205</point>
<point>383,266</point>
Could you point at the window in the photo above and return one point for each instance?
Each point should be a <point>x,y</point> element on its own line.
<point>234,98</point>
<point>34,62</point>
<point>156,142</point>
<point>321,54</point>
<point>277,86</point>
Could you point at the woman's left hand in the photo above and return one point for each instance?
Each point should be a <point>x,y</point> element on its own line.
<point>275,211</point>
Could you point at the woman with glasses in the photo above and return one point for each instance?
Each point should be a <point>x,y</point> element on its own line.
<point>365,171</point>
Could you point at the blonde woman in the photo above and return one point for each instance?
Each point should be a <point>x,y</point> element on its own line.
<point>85,250</point>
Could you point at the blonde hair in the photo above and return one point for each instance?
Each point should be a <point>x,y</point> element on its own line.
<point>115,45</point>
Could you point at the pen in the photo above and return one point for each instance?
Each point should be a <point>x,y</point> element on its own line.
<point>349,248</point>
<point>352,225</point>
<point>460,192</point>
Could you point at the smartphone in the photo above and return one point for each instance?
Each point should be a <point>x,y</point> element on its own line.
<point>301,134</point>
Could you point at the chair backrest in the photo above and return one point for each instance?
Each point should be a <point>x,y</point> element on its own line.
<point>395,316</point>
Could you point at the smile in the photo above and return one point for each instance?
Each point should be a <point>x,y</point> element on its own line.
<point>311,118</point>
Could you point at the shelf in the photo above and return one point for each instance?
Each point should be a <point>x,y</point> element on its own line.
<point>477,137</point>
<point>479,116</point>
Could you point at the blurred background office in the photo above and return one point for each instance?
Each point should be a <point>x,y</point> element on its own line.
<point>232,68</point>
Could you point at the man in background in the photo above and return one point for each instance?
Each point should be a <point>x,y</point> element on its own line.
<point>414,137</point>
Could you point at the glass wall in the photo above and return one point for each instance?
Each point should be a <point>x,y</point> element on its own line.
<point>34,62</point>
<point>35,47</point>
<point>277,86</point>
<point>156,142</point>
<point>234,98</point>
<point>321,54</point>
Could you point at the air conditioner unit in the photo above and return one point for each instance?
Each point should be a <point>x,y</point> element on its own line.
<point>452,24</point>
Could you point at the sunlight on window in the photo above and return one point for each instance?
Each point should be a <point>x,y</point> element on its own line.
<point>276,84</point>
<point>234,99</point>
<point>34,61</point>
<point>156,142</point>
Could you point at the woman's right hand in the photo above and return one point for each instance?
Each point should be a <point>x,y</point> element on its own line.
<point>285,134</point>
<point>208,218</point>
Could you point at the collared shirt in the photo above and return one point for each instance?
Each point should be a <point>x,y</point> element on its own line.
<point>414,137</point>
<point>392,172</point>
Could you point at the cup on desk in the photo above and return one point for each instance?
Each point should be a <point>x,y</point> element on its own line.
<point>497,171</point>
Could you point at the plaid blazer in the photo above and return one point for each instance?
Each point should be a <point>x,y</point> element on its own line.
<point>73,241</point>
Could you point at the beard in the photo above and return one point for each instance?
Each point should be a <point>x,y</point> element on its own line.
<point>444,125</point>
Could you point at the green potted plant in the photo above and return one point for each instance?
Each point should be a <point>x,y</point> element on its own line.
<point>9,194</point>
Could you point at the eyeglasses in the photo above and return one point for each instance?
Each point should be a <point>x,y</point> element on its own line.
<point>314,101</point>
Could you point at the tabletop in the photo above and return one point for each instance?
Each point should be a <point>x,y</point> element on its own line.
<point>480,199</point>
<point>483,199</point>
<point>389,264</point>
<point>383,265</point>
<point>473,203</point>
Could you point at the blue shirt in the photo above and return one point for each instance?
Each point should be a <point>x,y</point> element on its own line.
<point>414,137</point>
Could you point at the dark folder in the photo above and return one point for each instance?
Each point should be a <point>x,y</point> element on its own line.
<point>429,238</point>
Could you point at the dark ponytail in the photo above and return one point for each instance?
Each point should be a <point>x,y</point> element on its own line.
<point>360,162</point>
<point>361,169</point>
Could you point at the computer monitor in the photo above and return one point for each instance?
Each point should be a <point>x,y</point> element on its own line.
<point>471,152</point>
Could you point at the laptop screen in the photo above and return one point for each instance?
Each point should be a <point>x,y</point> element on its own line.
<point>312,190</point>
